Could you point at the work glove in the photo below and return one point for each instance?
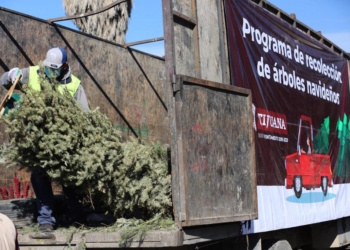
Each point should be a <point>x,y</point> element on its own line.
<point>13,73</point>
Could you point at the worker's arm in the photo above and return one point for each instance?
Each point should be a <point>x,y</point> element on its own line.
<point>5,81</point>
<point>80,97</point>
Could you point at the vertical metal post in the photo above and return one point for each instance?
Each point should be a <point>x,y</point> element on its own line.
<point>168,25</point>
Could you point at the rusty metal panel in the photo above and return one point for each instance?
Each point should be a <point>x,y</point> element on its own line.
<point>216,152</point>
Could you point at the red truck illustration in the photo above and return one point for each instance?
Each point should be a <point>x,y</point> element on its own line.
<point>305,168</point>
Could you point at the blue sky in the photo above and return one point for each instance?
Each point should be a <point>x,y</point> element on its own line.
<point>332,18</point>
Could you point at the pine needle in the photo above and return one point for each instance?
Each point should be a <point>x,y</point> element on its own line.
<point>83,149</point>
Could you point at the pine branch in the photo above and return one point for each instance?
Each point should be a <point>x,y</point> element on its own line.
<point>83,149</point>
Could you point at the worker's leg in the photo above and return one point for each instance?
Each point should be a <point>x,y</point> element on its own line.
<point>77,214</point>
<point>44,196</point>
<point>76,209</point>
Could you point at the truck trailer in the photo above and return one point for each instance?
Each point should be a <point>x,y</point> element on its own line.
<point>240,85</point>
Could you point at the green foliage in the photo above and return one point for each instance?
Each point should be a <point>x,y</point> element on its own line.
<point>83,149</point>
<point>131,230</point>
<point>142,184</point>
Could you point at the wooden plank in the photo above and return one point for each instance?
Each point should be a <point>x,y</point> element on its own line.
<point>150,239</point>
<point>184,17</point>
<point>197,59</point>
<point>170,67</point>
<point>209,40</point>
<point>184,49</point>
<point>182,6</point>
<point>46,247</point>
<point>102,240</point>
<point>60,238</point>
<point>214,85</point>
<point>217,164</point>
<point>181,154</point>
<point>220,219</point>
<point>185,42</point>
<point>225,64</point>
<point>200,54</point>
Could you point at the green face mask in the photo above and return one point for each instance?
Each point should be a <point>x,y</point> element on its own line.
<point>51,72</point>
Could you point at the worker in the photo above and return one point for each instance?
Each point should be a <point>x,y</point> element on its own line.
<point>55,66</point>
<point>8,234</point>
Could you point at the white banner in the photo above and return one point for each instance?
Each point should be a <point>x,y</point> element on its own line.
<point>279,208</point>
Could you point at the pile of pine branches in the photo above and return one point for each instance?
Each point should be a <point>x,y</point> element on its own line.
<point>83,149</point>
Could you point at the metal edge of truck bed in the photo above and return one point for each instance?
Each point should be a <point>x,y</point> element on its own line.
<point>102,240</point>
<point>152,239</point>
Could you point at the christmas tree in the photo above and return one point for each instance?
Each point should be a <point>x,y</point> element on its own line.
<point>49,130</point>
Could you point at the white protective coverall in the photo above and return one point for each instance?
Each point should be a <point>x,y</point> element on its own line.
<point>7,233</point>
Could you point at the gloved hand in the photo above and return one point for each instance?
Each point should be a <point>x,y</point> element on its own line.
<point>13,73</point>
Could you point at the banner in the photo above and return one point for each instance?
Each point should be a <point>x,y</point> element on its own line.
<point>300,107</point>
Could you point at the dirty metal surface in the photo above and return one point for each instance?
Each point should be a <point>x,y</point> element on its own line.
<point>216,152</point>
